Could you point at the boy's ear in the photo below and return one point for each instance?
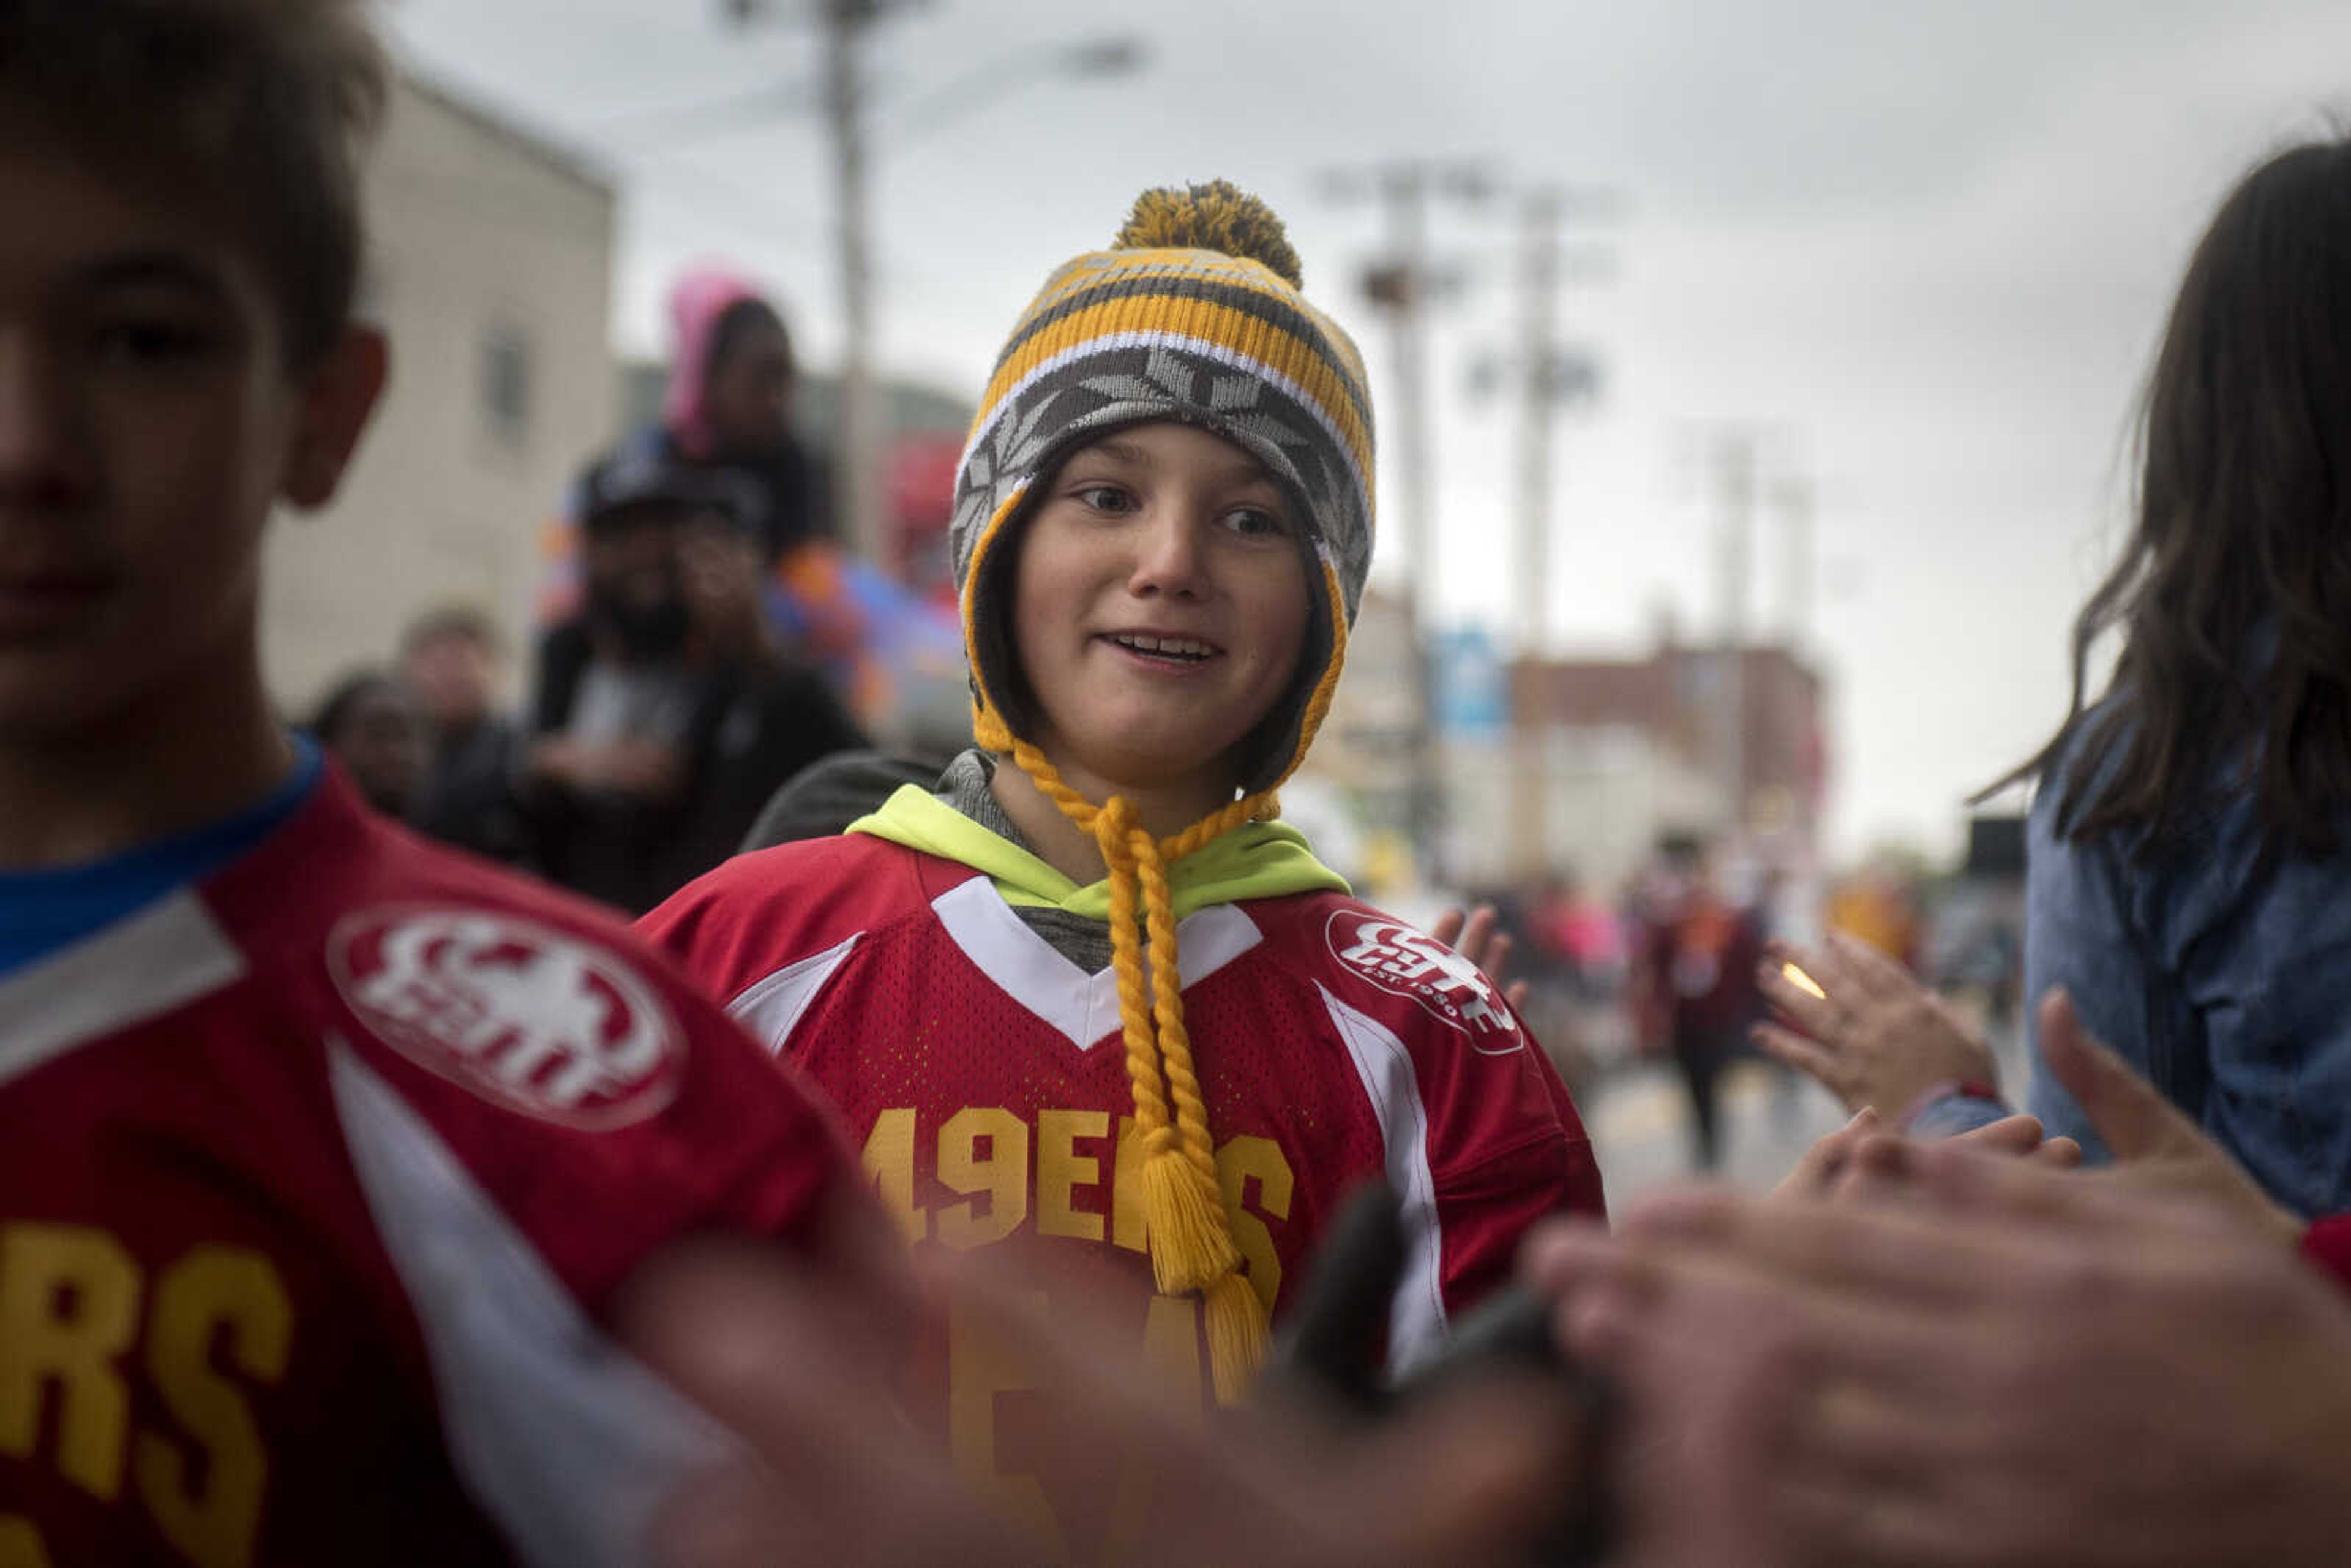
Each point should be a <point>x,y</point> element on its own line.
<point>339,393</point>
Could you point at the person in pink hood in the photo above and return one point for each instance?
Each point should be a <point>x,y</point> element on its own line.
<point>732,377</point>
<point>728,407</point>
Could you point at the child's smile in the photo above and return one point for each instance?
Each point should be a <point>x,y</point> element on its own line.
<point>1164,653</point>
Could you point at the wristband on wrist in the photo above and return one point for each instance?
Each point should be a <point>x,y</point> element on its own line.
<point>2328,1245</point>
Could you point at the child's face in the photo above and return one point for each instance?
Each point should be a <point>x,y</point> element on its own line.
<point>148,419</point>
<point>382,741</point>
<point>1163,533</point>
<point>453,674</point>
<point>751,391</point>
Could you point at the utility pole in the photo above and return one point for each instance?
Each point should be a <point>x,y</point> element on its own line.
<point>1406,190</point>
<point>857,451</point>
<point>1401,285</point>
<point>1537,328</point>
<point>1734,466</point>
<point>1549,378</point>
<point>1406,187</point>
<point>1538,325</point>
<point>1794,497</point>
<point>844,26</point>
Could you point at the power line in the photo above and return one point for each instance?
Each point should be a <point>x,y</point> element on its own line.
<point>757,109</point>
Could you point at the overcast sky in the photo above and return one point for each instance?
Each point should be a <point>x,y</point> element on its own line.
<point>1926,248</point>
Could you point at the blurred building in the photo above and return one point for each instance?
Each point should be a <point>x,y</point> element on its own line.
<point>490,264</point>
<point>1603,756</point>
<point>1365,748</point>
<point>1602,794</point>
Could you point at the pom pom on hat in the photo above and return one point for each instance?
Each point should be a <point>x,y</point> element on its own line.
<point>1219,216</point>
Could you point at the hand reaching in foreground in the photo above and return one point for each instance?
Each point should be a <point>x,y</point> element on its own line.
<point>2029,1368</point>
<point>1869,1032</point>
<point>2156,1148</point>
<point>768,1346</point>
<point>1864,1159</point>
<point>1482,941</point>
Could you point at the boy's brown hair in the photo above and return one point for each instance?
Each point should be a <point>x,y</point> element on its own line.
<point>266,104</point>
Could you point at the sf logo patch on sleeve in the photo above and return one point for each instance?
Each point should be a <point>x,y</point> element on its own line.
<point>1397,958</point>
<point>521,1014</point>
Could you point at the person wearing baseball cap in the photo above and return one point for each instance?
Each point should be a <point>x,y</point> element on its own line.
<point>665,712</point>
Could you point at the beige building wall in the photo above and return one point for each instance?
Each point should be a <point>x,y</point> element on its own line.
<point>1610,790</point>
<point>1365,745</point>
<point>491,267</point>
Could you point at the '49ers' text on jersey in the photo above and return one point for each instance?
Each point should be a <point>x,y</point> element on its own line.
<point>985,1078</point>
<point>314,1180</point>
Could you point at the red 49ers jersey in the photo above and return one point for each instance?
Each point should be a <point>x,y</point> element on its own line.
<point>314,1179</point>
<point>983,1075</point>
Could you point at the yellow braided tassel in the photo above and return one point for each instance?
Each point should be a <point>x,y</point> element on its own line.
<point>1184,1226</point>
<point>1151,1118</point>
<point>1167,1013</point>
<point>1237,1336</point>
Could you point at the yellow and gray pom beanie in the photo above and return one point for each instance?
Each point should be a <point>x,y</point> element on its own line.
<point>1193,315</point>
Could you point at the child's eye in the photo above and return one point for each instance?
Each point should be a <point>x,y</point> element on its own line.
<point>150,342</point>
<point>1103,498</point>
<point>1255,522</point>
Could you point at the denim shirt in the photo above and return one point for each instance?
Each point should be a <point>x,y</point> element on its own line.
<point>2223,977</point>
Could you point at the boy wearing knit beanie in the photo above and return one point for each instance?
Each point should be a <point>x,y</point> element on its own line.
<point>1091,990</point>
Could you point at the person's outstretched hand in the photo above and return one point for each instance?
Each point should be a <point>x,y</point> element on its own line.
<point>1864,1159</point>
<point>1482,941</point>
<point>1869,1033</point>
<point>2155,1147</point>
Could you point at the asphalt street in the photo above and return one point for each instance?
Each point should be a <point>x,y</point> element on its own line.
<point>1638,1117</point>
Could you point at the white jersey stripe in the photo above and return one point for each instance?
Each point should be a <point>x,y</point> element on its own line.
<point>772,1008</point>
<point>567,1442</point>
<point>1416,1322</point>
<point>1081,1006</point>
<point>164,956</point>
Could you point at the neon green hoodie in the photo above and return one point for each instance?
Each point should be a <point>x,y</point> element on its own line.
<point>1256,860</point>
